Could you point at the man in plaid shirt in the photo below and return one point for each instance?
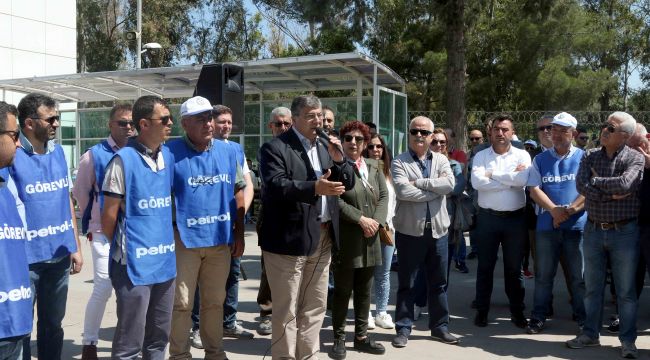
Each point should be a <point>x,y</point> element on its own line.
<point>609,178</point>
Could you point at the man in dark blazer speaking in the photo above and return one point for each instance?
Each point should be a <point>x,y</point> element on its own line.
<point>301,177</point>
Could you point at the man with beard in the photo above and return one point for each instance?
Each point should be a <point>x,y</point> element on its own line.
<point>139,224</point>
<point>40,173</point>
<point>15,316</point>
<point>499,174</point>
<point>87,192</point>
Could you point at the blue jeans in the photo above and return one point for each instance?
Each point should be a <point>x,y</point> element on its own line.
<point>49,283</point>
<point>232,294</point>
<point>382,279</point>
<point>622,246</point>
<point>11,348</point>
<point>549,247</point>
<point>432,253</point>
<point>459,247</point>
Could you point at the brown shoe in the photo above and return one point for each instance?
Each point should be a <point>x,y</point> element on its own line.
<point>89,352</point>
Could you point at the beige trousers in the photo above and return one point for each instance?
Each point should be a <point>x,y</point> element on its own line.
<point>299,288</point>
<point>209,267</point>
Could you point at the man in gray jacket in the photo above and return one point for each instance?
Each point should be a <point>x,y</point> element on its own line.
<point>422,178</point>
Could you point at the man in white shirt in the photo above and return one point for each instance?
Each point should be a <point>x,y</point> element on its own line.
<point>499,174</point>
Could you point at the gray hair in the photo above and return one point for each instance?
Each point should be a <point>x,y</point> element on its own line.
<point>628,124</point>
<point>639,137</point>
<point>304,101</point>
<point>421,118</point>
<point>280,111</point>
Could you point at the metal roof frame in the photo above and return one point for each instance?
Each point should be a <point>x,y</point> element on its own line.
<point>345,71</point>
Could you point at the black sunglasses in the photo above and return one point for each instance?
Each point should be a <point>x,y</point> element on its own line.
<point>125,123</point>
<point>14,134</point>
<point>375,146</point>
<point>475,138</point>
<point>609,128</point>
<point>279,124</point>
<point>50,120</point>
<point>350,138</point>
<point>436,142</point>
<point>583,137</point>
<point>164,119</point>
<point>423,132</point>
<point>545,128</point>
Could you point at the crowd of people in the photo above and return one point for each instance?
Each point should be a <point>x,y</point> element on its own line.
<point>165,223</point>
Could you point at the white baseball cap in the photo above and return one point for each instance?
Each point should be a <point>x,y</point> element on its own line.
<point>195,105</point>
<point>565,119</point>
<point>531,142</point>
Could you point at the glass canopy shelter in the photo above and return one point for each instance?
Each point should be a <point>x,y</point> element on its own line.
<point>272,81</point>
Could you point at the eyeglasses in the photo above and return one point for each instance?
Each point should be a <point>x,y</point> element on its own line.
<point>476,138</point>
<point>610,128</point>
<point>585,138</point>
<point>375,146</point>
<point>279,124</point>
<point>14,134</point>
<point>164,119</point>
<point>50,119</point>
<point>436,142</point>
<point>422,132</point>
<point>125,123</point>
<point>545,128</point>
<point>350,138</point>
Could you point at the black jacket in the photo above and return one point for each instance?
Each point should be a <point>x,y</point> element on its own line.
<point>290,206</point>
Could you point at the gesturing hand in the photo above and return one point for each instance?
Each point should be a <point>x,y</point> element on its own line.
<point>326,187</point>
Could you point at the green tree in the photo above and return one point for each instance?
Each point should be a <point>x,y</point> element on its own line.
<point>100,44</point>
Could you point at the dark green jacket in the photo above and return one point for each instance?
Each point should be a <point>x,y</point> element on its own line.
<point>355,251</point>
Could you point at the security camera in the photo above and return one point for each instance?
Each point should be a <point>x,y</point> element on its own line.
<point>131,35</point>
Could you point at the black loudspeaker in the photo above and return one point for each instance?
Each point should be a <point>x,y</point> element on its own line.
<point>224,84</point>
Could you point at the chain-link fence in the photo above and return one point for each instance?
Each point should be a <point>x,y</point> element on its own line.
<point>525,121</point>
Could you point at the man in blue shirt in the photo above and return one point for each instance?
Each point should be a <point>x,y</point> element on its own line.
<point>552,185</point>
<point>52,240</point>
<point>139,224</point>
<point>16,308</point>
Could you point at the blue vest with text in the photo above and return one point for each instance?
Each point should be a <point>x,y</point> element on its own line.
<point>559,184</point>
<point>102,154</point>
<point>150,256</point>
<point>204,185</point>
<point>43,186</point>
<point>15,293</point>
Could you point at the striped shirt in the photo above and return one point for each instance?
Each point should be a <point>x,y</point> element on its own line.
<point>620,175</point>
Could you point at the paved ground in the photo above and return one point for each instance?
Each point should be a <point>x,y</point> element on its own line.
<point>500,339</point>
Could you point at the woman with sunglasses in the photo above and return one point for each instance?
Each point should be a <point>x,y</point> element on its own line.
<point>363,210</point>
<point>377,150</point>
<point>457,248</point>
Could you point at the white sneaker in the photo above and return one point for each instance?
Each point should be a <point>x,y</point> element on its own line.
<point>371,321</point>
<point>196,339</point>
<point>384,321</point>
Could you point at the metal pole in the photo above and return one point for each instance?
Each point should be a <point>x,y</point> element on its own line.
<point>138,48</point>
<point>359,99</point>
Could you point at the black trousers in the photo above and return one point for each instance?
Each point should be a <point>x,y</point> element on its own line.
<point>511,233</point>
<point>348,281</point>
